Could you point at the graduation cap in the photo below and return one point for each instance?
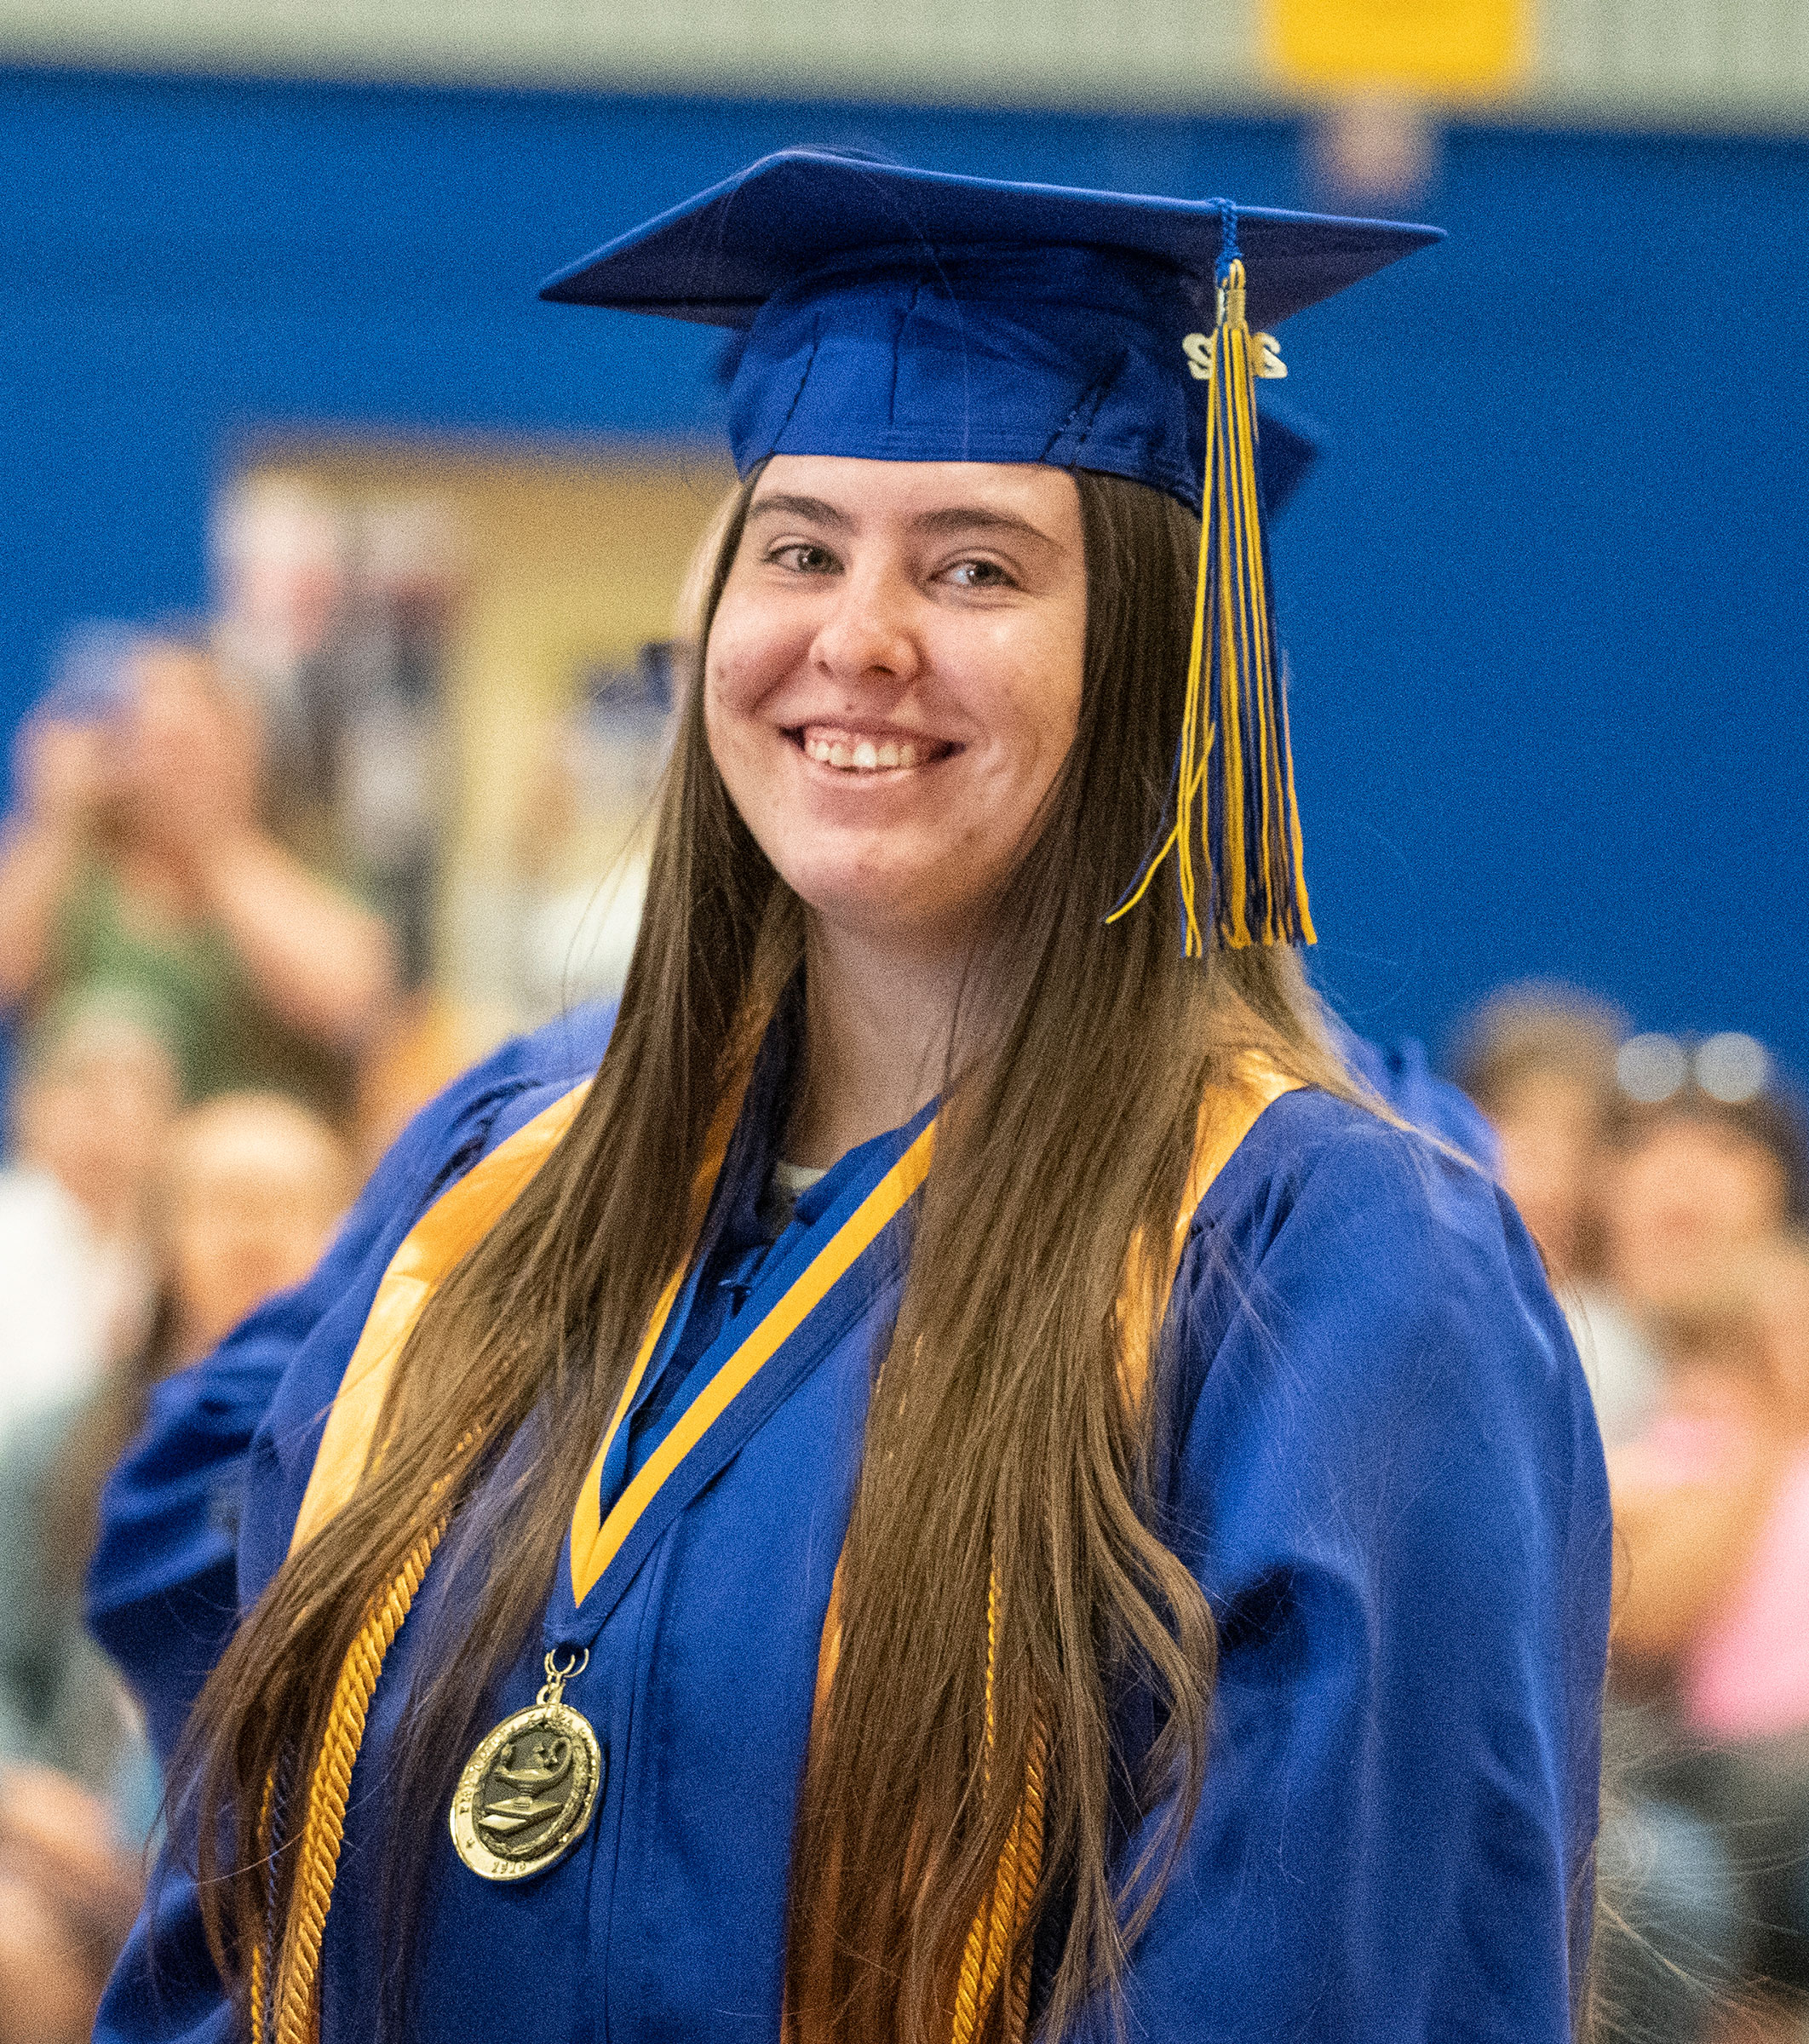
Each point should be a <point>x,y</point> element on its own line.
<point>899,314</point>
<point>1287,445</point>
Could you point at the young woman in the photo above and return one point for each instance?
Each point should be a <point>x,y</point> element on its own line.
<point>710,1570</point>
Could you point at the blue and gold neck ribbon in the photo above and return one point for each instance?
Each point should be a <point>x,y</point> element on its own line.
<point>1236,838</point>
<point>596,1537</point>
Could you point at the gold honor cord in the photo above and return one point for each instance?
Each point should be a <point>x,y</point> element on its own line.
<point>297,1964</point>
<point>1002,1925</point>
<point>322,1831</point>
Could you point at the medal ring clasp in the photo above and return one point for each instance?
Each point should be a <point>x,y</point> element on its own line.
<point>557,1677</point>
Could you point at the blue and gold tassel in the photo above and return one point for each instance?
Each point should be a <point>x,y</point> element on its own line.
<point>1237,831</point>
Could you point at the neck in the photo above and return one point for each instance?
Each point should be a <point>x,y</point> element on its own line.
<point>879,1022</point>
<point>158,882</point>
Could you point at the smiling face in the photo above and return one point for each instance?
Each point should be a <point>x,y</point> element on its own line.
<point>893,681</point>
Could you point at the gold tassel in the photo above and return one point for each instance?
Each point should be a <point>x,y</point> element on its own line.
<point>1237,835</point>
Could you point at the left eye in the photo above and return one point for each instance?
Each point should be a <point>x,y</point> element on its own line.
<point>978,574</point>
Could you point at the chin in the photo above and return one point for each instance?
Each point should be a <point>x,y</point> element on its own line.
<point>871,902</point>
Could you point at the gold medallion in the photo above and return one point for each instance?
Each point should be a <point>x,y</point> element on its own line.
<point>528,1792</point>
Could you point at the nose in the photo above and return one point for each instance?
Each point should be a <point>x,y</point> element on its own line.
<point>868,633</point>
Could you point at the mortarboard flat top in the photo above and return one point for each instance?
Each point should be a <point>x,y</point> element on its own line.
<point>719,257</point>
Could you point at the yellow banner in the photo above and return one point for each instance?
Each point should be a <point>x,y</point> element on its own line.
<point>1456,48</point>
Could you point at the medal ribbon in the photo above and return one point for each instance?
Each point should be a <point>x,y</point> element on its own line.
<point>597,1540</point>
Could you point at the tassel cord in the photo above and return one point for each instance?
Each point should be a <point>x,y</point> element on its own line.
<point>1236,839</point>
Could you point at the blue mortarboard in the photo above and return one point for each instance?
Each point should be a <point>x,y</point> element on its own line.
<point>1287,445</point>
<point>898,314</point>
<point>911,315</point>
<point>1286,449</point>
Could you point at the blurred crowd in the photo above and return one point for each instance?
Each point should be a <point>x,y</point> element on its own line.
<point>1667,1184</point>
<point>191,1002</point>
<point>216,959</point>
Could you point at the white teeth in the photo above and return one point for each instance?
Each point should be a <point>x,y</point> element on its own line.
<point>864,755</point>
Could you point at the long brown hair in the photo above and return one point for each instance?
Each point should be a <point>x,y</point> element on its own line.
<point>1069,1124</point>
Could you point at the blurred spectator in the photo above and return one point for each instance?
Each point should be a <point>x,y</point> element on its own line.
<point>68,1895</point>
<point>1712,1603</point>
<point>95,1090</point>
<point>249,1192</point>
<point>135,859</point>
<point>1711,1503</point>
<point>1706,1164</point>
<point>254,1187</point>
<point>341,616</point>
<point>1541,1063</point>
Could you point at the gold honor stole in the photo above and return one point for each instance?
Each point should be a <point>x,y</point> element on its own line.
<point>454,1225</point>
<point>438,1242</point>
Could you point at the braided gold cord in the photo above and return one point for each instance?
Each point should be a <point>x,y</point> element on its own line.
<point>1029,1865</point>
<point>257,1985</point>
<point>1002,1921</point>
<point>968,2009</point>
<point>323,1833</point>
<point>1000,1918</point>
<point>257,1994</point>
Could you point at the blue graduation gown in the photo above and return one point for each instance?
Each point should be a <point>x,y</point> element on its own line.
<point>1400,1075</point>
<point>1381,1462</point>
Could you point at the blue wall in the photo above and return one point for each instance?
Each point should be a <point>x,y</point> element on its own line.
<point>1544,600</point>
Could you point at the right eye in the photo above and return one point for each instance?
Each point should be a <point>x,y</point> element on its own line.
<point>801,557</point>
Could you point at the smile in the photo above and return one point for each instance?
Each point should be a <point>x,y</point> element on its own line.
<point>862,752</point>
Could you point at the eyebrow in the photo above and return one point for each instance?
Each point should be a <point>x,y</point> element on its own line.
<point>952,518</point>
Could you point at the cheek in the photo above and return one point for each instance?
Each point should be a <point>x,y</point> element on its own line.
<point>738,739</point>
<point>1036,716</point>
<point>731,678</point>
<point>1752,1195</point>
<point>753,647</point>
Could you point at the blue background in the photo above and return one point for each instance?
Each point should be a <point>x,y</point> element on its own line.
<point>1543,598</point>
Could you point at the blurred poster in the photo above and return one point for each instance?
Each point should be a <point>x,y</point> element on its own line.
<point>462,655</point>
<point>1444,49</point>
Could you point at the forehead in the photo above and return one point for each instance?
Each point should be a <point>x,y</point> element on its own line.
<point>167,666</point>
<point>865,491</point>
<point>1692,1131</point>
<point>271,1153</point>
